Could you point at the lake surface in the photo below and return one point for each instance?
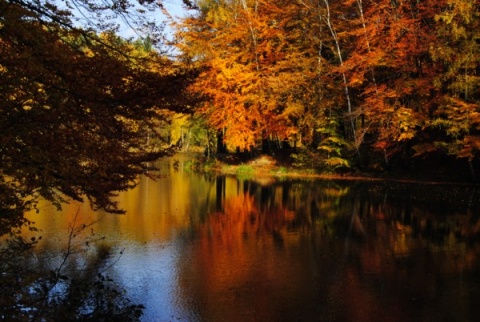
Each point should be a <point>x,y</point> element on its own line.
<point>199,247</point>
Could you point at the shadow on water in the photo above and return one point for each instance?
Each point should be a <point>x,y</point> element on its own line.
<point>201,247</point>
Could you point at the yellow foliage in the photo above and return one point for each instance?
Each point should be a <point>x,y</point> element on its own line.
<point>294,108</point>
<point>178,123</point>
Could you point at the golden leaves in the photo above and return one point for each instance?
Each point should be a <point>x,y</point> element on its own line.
<point>251,70</point>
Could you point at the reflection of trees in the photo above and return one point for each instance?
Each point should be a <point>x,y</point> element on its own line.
<point>241,218</point>
<point>67,286</point>
<point>220,192</point>
<point>350,251</point>
<point>391,214</point>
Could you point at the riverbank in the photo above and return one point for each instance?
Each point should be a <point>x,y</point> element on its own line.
<point>266,166</point>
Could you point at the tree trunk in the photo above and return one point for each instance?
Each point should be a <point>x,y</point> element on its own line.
<point>221,146</point>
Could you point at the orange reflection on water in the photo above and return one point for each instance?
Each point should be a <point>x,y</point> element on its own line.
<point>156,210</point>
<point>238,263</point>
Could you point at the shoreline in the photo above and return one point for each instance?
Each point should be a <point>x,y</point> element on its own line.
<point>265,166</point>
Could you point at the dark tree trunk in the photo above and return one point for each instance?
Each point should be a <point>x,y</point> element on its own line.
<point>221,146</point>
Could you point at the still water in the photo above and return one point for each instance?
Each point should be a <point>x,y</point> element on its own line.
<point>198,247</point>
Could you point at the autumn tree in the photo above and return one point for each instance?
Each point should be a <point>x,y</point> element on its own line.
<point>456,54</point>
<point>77,106</point>
<point>388,70</point>
<point>253,74</point>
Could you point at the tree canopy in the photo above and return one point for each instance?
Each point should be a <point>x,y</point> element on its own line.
<point>77,105</point>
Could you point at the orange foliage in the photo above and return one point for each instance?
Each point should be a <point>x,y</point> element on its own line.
<point>381,69</point>
<point>251,71</point>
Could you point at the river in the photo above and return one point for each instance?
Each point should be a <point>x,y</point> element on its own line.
<point>202,247</point>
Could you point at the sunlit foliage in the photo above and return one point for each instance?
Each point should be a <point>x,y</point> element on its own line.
<point>398,78</point>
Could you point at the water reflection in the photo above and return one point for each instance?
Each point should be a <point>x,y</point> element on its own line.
<point>49,285</point>
<point>320,251</point>
<point>206,248</point>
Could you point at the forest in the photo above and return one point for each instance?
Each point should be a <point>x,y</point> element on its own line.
<point>347,83</point>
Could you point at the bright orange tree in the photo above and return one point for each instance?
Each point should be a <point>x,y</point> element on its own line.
<point>251,71</point>
<point>388,69</point>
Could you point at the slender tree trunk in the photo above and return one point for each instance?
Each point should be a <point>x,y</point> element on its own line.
<point>221,148</point>
<point>334,35</point>
<point>367,41</point>
<point>252,30</point>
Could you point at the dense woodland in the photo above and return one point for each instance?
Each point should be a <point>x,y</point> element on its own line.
<point>349,83</point>
<point>80,106</point>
